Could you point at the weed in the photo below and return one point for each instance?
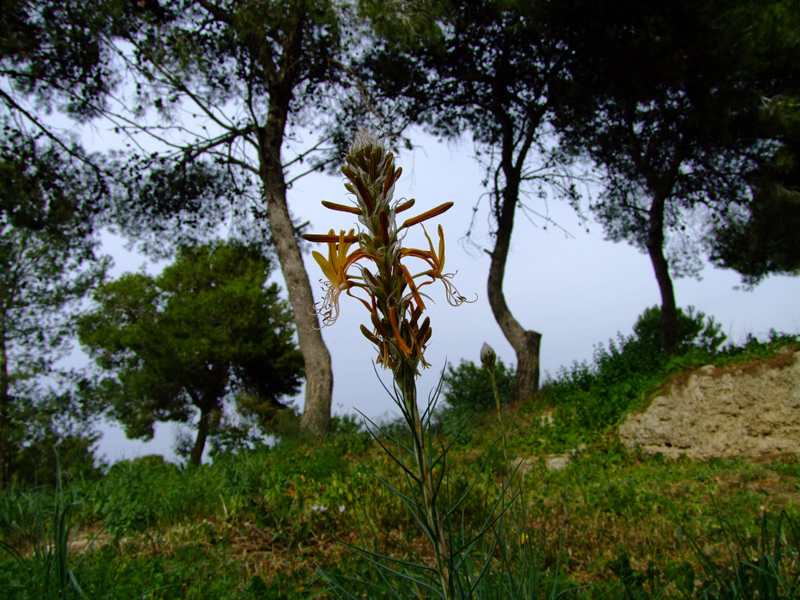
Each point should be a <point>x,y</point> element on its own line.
<point>149,492</point>
<point>43,568</point>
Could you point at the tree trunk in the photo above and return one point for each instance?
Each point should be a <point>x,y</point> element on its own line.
<point>5,406</point>
<point>655,248</point>
<point>316,417</point>
<point>526,343</point>
<point>203,427</point>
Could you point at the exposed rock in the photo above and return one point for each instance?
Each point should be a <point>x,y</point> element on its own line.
<point>551,462</point>
<point>556,462</point>
<point>749,410</point>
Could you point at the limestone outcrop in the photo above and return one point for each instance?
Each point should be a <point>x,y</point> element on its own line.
<point>750,410</point>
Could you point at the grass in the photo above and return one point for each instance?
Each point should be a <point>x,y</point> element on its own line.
<point>612,524</point>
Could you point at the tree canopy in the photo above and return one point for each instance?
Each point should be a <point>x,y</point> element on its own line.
<point>52,51</point>
<point>48,262</point>
<point>761,239</point>
<point>689,111</point>
<point>666,99</point>
<point>178,346</point>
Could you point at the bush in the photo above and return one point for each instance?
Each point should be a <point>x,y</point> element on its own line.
<point>469,387</point>
<point>467,390</point>
<point>280,484</point>
<point>695,331</point>
<point>594,397</point>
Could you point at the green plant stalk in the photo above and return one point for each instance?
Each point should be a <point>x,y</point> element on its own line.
<point>488,358</point>
<point>499,416</point>
<point>48,569</point>
<point>405,377</point>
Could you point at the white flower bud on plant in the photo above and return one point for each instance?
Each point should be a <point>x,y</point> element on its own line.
<point>488,356</point>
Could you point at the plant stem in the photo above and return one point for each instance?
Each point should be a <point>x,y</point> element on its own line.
<point>405,376</point>
<point>500,417</point>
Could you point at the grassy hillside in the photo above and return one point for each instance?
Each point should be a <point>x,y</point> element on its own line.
<point>276,522</point>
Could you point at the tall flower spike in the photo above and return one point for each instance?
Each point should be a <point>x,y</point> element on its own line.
<point>384,284</point>
<point>394,303</point>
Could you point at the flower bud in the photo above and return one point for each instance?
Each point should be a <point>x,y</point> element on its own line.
<point>488,356</point>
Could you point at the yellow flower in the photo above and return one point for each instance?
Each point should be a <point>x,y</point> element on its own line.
<point>335,268</point>
<point>436,262</point>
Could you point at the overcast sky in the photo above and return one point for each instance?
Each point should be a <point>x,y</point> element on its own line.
<point>573,286</point>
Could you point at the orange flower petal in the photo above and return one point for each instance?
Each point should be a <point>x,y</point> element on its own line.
<point>427,215</point>
<point>342,207</point>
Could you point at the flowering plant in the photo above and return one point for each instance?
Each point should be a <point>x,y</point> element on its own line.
<point>374,271</point>
<point>371,266</point>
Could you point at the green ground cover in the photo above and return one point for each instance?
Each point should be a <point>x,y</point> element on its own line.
<point>276,522</point>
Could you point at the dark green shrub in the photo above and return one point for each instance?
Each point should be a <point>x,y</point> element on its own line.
<point>469,386</point>
<point>133,493</point>
<point>279,484</point>
<point>594,397</point>
<point>70,457</point>
<point>694,330</point>
<point>590,397</point>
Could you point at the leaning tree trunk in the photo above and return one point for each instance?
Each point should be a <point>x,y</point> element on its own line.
<point>526,343</point>
<point>655,248</point>
<point>316,417</point>
<point>203,428</point>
